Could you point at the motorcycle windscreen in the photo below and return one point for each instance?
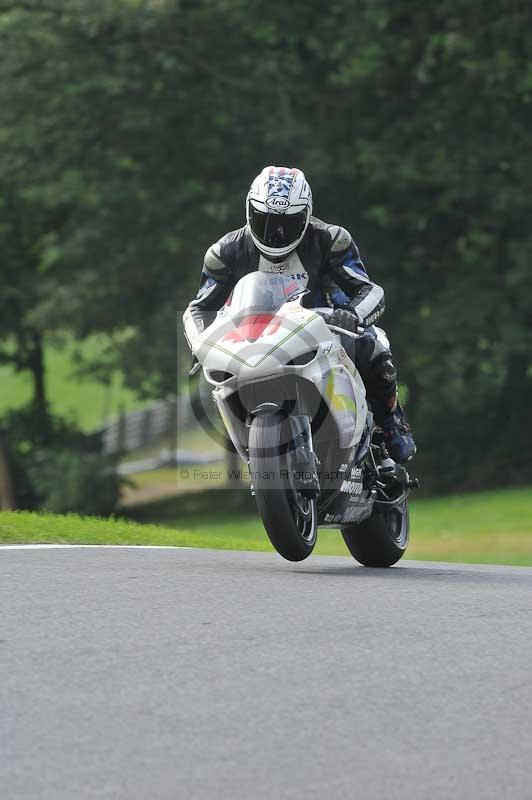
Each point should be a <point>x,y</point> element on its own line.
<point>262,293</point>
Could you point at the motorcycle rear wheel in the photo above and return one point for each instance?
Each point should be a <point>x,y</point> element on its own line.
<point>382,539</point>
<point>290,520</point>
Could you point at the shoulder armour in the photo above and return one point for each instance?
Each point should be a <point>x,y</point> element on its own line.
<point>335,238</point>
<point>215,255</point>
<point>213,262</point>
<point>341,238</point>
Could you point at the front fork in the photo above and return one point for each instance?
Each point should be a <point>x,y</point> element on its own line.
<point>305,463</point>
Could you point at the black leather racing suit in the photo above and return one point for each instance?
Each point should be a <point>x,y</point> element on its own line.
<point>328,263</point>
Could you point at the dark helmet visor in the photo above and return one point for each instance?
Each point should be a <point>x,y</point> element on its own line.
<point>276,230</point>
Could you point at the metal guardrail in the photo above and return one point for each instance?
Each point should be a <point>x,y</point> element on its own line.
<point>168,458</point>
<point>150,426</point>
<point>154,425</point>
<point>138,429</point>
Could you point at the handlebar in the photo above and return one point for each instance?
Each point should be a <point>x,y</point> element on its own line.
<point>344,332</point>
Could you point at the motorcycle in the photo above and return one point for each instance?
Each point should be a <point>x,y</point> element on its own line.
<point>294,407</point>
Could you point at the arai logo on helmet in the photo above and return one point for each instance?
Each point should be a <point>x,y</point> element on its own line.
<point>277,203</point>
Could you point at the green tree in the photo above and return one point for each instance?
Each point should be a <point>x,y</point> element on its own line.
<point>130,131</point>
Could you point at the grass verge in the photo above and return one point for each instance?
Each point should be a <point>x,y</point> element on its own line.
<point>491,527</point>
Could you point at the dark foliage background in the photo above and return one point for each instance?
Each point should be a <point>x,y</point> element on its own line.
<point>129,132</point>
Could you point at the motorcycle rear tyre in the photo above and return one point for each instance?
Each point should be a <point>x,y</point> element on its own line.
<point>381,540</point>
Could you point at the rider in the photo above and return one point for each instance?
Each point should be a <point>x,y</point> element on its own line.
<point>282,236</point>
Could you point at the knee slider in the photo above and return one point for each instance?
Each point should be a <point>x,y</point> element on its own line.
<point>384,369</point>
<point>382,382</point>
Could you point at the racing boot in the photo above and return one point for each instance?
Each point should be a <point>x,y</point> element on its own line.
<point>398,437</point>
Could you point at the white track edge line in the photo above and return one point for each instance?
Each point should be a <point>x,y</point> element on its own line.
<point>92,546</point>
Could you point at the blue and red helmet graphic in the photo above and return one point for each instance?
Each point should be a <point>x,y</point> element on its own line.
<point>280,181</point>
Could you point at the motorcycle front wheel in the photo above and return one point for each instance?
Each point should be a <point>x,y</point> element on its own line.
<point>290,519</point>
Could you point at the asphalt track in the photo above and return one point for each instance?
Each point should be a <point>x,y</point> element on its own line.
<point>167,673</point>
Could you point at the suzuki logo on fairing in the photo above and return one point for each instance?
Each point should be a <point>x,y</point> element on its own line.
<point>296,276</point>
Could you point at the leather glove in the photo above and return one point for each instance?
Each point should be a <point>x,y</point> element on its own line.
<point>345,318</point>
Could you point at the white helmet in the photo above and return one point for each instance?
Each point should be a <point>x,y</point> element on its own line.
<point>278,209</point>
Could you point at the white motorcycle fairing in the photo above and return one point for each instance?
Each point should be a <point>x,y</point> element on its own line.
<point>265,349</point>
<point>230,359</point>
